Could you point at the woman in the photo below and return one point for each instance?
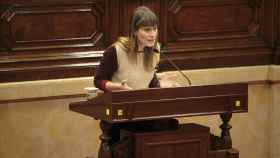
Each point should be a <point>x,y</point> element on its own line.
<point>131,62</point>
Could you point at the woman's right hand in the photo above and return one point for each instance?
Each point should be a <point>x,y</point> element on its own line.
<point>112,86</point>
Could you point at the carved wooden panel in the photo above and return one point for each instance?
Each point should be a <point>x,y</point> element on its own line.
<point>183,142</point>
<point>56,36</point>
<point>190,20</point>
<point>270,22</point>
<point>2,8</point>
<point>277,56</point>
<point>53,26</point>
<point>278,22</point>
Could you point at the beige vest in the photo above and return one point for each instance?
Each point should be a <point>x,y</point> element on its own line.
<point>136,75</point>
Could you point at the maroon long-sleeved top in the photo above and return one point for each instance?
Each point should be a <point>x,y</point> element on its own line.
<point>108,66</point>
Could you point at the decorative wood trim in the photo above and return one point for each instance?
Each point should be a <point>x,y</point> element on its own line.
<point>20,21</point>
<point>277,56</point>
<point>218,59</point>
<point>203,11</point>
<point>41,98</point>
<point>238,36</point>
<point>247,44</point>
<point>51,66</point>
<point>277,31</point>
<point>258,82</point>
<point>82,64</point>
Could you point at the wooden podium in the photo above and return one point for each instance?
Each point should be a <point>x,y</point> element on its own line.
<point>185,140</point>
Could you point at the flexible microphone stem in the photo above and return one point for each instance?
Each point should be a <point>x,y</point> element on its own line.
<point>176,67</point>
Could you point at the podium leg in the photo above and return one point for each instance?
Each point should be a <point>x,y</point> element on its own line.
<point>224,141</point>
<point>105,150</point>
<point>225,135</point>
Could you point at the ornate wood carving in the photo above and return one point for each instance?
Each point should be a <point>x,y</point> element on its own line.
<point>57,36</point>
<point>224,141</point>
<point>53,26</point>
<point>192,23</point>
<point>190,19</point>
<point>221,28</point>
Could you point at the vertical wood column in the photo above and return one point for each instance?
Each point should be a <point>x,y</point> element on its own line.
<point>269,12</point>
<point>277,16</point>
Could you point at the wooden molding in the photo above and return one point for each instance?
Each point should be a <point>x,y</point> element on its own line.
<point>60,39</point>
<point>277,56</point>
<point>189,20</point>
<point>42,98</point>
<point>48,66</point>
<point>82,64</point>
<point>38,27</point>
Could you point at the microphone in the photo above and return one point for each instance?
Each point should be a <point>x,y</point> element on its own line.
<point>162,52</point>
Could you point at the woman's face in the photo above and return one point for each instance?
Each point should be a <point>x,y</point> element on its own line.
<point>147,36</point>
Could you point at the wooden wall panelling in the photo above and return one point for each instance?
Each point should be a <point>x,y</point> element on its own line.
<point>222,29</point>
<point>270,12</point>
<point>194,21</point>
<point>48,65</point>
<point>126,11</point>
<point>54,26</point>
<point>112,21</point>
<point>277,53</point>
<point>267,11</point>
<point>1,32</point>
<point>270,19</point>
<point>270,26</point>
<point>163,21</point>
<point>60,37</point>
<point>49,40</point>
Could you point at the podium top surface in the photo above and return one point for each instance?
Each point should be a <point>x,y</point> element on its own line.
<point>166,102</point>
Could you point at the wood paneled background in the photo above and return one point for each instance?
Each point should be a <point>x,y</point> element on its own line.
<point>65,38</point>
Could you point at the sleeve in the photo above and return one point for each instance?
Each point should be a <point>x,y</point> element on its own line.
<point>108,65</point>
